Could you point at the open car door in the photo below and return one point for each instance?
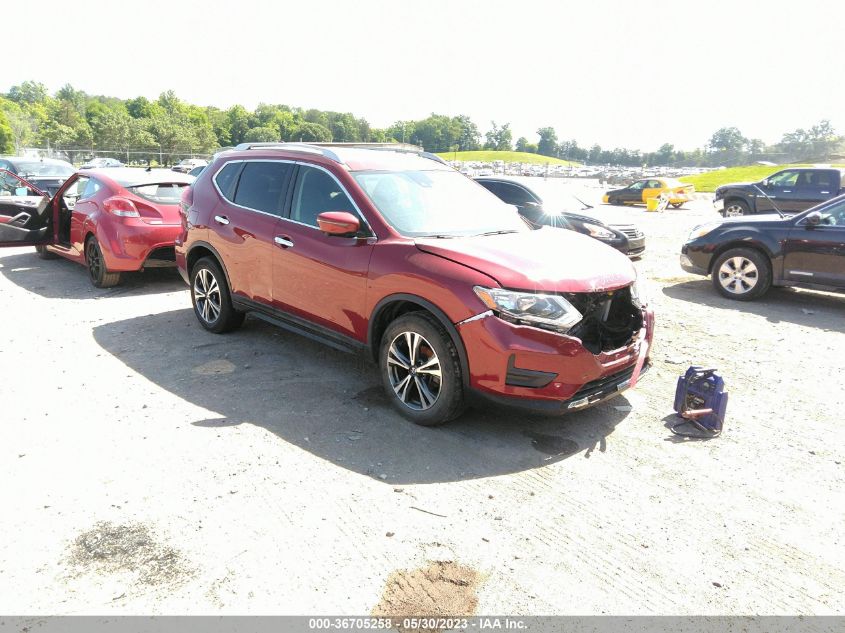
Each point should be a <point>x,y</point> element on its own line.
<point>25,217</point>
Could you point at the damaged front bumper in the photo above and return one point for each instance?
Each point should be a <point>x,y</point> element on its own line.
<point>526,367</point>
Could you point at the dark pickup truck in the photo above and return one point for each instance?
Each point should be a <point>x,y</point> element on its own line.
<point>791,191</point>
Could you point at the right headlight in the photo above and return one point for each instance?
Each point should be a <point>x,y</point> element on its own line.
<point>599,231</point>
<point>701,230</point>
<point>548,311</point>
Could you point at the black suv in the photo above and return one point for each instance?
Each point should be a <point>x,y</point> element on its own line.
<point>790,191</point>
<point>626,238</point>
<point>745,256</point>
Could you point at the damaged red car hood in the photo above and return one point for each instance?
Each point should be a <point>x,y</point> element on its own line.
<point>548,260</point>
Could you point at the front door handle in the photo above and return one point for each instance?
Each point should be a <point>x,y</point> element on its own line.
<point>221,219</point>
<point>284,241</point>
<point>787,190</point>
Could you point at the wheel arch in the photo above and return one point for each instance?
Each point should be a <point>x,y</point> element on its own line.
<point>394,306</point>
<point>740,243</point>
<point>200,249</point>
<point>738,197</point>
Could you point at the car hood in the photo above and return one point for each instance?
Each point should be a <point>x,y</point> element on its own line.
<point>733,185</point>
<point>546,260</point>
<point>763,218</point>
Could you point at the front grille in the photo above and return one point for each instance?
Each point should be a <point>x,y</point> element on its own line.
<point>631,232</point>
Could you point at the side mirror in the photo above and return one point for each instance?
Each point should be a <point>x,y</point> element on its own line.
<point>813,219</point>
<point>338,223</point>
<point>764,182</point>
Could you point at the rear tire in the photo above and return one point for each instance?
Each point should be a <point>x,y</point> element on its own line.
<point>211,298</point>
<point>742,274</point>
<point>43,253</point>
<point>421,370</point>
<point>735,208</point>
<point>677,205</point>
<point>97,273</point>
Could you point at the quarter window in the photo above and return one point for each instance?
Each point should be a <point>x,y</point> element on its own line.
<point>317,192</point>
<point>225,179</point>
<point>91,189</point>
<point>262,186</point>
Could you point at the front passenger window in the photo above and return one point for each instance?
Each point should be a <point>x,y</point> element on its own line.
<point>317,192</point>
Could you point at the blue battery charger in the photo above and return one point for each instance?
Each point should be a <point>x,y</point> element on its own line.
<point>701,400</point>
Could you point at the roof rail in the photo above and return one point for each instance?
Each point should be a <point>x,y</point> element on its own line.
<point>407,148</point>
<point>324,149</point>
<point>310,148</point>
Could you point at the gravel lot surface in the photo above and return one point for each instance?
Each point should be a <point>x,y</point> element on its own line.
<point>151,467</point>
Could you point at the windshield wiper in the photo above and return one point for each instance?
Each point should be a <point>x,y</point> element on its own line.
<point>437,236</point>
<point>496,232</point>
<point>586,206</point>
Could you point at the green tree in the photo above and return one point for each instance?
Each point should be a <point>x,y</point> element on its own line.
<point>727,139</point>
<point>311,132</point>
<point>469,138</point>
<point>238,123</point>
<point>436,133</point>
<point>7,140</point>
<point>548,145</point>
<point>262,134</point>
<point>499,138</point>
<point>28,92</point>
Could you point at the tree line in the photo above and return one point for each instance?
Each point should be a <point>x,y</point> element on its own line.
<point>141,129</point>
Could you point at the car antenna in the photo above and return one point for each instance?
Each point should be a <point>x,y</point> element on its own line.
<point>780,213</point>
<point>586,206</point>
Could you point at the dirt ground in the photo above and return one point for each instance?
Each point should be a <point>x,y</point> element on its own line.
<point>150,467</point>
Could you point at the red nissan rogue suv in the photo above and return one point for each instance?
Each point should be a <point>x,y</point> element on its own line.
<point>392,251</point>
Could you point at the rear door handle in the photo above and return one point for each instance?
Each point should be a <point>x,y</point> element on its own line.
<point>284,241</point>
<point>787,190</point>
<point>221,219</point>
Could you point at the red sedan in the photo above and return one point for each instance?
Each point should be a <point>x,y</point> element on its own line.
<point>110,220</point>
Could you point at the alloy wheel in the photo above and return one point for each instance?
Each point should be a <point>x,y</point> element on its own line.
<point>738,275</point>
<point>414,371</point>
<point>734,211</point>
<point>207,295</point>
<point>94,260</point>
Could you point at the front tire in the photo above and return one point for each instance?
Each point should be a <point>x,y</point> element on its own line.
<point>211,298</point>
<point>735,208</point>
<point>420,370</point>
<point>677,205</point>
<point>742,274</point>
<point>97,273</point>
<point>43,253</point>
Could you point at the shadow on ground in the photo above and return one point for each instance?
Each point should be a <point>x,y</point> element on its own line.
<point>332,404</point>
<point>778,305</point>
<point>63,279</point>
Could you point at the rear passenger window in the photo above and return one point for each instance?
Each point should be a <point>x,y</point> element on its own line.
<point>225,179</point>
<point>262,186</point>
<point>317,192</point>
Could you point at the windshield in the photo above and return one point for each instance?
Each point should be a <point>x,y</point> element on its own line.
<point>37,168</point>
<point>165,193</point>
<point>437,203</point>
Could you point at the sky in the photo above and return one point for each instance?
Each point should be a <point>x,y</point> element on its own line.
<point>620,73</point>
